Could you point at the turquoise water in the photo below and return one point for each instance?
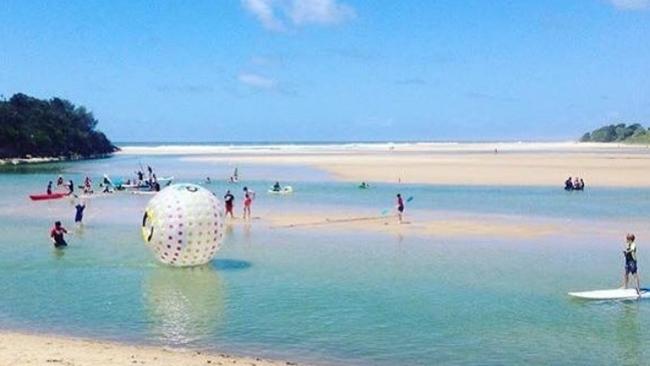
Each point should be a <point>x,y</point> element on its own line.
<point>331,296</point>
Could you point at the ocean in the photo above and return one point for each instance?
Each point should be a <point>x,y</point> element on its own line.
<point>330,296</point>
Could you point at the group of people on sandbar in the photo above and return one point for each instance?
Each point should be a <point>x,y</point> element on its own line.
<point>575,184</point>
<point>229,202</point>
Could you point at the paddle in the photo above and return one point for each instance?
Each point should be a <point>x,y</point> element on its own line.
<point>387,210</point>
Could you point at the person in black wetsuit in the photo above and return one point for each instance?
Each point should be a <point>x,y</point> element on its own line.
<point>79,214</point>
<point>57,235</point>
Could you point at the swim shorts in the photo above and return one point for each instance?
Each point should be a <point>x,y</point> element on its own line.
<point>630,267</point>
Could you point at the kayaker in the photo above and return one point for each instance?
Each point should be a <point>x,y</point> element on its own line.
<point>88,185</point>
<point>400,208</point>
<point>57,235</point>
<point>49,188</point>
<point>630,262</point>
<point>79,215</point>
<point>229,200</point>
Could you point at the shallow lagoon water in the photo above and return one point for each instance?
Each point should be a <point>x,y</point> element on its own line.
<point>332,296</point>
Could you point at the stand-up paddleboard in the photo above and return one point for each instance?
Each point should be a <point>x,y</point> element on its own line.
<point>51,196</point>
<point>284,190</point>
<point>143,192</point>
<point>613,294</point>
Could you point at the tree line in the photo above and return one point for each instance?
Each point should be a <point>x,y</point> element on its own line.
<point>31,127</point>
<point>621,132</point>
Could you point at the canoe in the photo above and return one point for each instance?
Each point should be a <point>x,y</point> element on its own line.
<point>51,196</point>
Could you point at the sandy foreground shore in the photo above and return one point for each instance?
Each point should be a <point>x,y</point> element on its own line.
<point>23,349</point>
<point>512,164</point>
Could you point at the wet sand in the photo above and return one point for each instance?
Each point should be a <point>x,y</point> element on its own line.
<point>526,164</point>
<point>23,349</point>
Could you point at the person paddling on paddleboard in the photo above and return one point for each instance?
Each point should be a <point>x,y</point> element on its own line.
<point>400,208</point>
<point>630,262</point>
<point>57,235</point>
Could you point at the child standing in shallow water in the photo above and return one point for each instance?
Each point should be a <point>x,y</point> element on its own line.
<point>630,262</point>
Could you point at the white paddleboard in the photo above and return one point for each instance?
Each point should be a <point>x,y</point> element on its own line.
<point>284,190</point>
<point>613,294</point>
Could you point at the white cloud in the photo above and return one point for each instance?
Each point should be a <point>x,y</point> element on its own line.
<point>264,11</point>
<point>275,14</point>
<point>256,81</point>
<point>631,4</point>
<point>319,12</point>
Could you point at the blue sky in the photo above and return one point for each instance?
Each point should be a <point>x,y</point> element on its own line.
<point>323,70</point>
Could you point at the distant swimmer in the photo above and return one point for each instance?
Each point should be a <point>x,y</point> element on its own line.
<point>400,208</point>
<point>277,187</point>
<point>49,188</point>
<point>79,214</point>
<point>57,234</point>
<point>364,185</point>
<point>229,200</point>
<point>630,262</point>
<point>207,180</point>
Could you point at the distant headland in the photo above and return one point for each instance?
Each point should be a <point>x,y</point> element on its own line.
<point>634,134</point>
<point>37,130</point>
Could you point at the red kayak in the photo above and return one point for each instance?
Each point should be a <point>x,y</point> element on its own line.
<point>52,196</point>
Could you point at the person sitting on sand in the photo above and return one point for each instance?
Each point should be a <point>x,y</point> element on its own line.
<point>568,184</point>
<point>630,262</point>
<point>277,187</point>
<point>49,188</point>
<point>400,208</point>
<point>57,235</point>
<point>229,200</point>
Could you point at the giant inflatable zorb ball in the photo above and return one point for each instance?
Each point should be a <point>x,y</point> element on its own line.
<point>183,225</point>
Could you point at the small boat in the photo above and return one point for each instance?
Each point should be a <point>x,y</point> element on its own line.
<point>51,196</point>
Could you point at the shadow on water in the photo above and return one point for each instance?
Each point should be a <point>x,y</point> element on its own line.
<point>229,264</point>
<point>184,305</point>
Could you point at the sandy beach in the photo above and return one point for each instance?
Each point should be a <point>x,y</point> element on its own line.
<point>497,164</point>
<point>24,349</point>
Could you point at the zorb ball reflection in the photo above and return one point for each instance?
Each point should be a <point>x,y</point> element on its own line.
<point>183,225</point>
